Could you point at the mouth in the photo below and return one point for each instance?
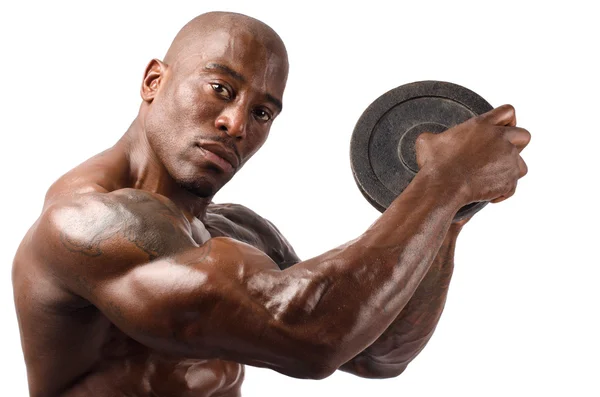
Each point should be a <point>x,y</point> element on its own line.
<point>217,154</point>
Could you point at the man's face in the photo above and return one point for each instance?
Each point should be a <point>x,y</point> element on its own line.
<point>214,108</point>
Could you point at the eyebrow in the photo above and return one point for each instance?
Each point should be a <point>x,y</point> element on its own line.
<point>225,69</point>
<point>237,76</point>
<point>276,102</point>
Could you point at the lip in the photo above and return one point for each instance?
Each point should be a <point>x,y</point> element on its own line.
<point>216,153</point>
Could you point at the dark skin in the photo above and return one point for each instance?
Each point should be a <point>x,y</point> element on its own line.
<point>132,282</point>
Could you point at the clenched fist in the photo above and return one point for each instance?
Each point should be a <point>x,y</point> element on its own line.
<point>480,157</point>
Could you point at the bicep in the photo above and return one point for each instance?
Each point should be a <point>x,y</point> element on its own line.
<point>132,259</point>
<point>185,303</point>
<point>226,300</point>
<point>111,248</point>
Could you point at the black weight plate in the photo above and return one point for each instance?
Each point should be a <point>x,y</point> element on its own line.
<point>382,148</point>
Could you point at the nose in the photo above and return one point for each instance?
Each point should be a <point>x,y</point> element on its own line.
<point>232,121</point>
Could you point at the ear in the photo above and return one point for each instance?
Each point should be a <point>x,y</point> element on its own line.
<point>153,77</point>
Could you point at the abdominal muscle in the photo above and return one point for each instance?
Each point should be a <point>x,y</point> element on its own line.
<point>154,375</point>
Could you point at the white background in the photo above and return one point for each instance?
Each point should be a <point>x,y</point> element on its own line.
<point>522,314</point>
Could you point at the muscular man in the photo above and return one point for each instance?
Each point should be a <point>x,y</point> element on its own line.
<point>132,282</point>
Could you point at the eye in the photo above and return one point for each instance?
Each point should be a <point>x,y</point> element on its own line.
<point>262,115</point>
<point>221,90</point>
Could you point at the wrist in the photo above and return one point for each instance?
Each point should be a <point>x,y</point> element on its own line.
<point>449,184</point>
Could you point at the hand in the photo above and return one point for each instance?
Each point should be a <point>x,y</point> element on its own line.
<point>480,157</point>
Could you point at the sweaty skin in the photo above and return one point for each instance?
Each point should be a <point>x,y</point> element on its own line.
<point>133,282</point>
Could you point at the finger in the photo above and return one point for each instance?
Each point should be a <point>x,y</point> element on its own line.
<point>522,167</point>
<point>519,137</point>
<point>502,115</point>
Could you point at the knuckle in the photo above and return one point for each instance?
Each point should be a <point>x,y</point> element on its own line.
<point>509,108</point>
<point>481,119</point>
<point>527,136</point>
<point>421,144</point>
<point>475,121</point>
<point>524,170</point>
<point>423,138</point>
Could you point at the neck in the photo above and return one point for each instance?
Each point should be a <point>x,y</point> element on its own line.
<point>148,173</point>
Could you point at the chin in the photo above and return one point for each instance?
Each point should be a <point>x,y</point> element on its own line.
<point>201,187</point>
<point>203,180</point>
<point>205,186</point>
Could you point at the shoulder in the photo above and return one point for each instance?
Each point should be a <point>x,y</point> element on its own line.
<point>88,219</point>
<point>108,232</point>
<point>243,224</point>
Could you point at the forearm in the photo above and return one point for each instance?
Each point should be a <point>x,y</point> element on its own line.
<point>367,282</point>
<point>320,313</point>
<point>408,334</point>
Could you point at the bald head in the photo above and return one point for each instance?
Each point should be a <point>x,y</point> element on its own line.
<point>190,39</point>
